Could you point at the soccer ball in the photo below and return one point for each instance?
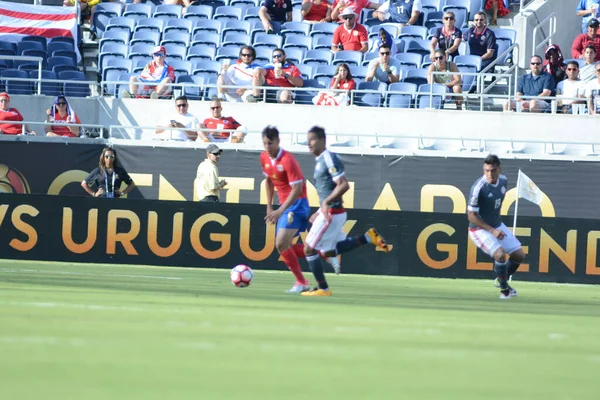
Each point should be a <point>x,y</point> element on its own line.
<point>241,275</point>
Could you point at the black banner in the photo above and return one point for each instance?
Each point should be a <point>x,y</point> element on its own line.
<point>97,230</point>
<point>407,183</point>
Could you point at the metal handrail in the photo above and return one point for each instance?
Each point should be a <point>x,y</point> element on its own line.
<point>23,123</point>
<point>39,60</point>
<point>552,31</point>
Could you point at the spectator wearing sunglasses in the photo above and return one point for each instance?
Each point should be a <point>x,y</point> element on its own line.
<point>587,9</point>
<point>481,40</point>
<point>238,74</point>
<point>280,73</point>
<point>350,35</point>
<point>385,68</point>
<point>182,118</point>
<point>207,183</point>
<point>537,83</point>
<point>449,76</point>
<point>106,180</point>
<point>216,122</point>
<point>356,6</point>
<point>10,114</point>
<point>569,88</point>
<point>60,114</point>
<point>592,93</point>
<point>447,38</point>
<point>156,77</point>
<point>274,13</point>
<point>402,12</point>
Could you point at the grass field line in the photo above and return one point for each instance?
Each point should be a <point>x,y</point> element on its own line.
<point>33,271</point>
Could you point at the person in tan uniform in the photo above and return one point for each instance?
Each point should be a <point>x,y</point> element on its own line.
<point>207,181</point>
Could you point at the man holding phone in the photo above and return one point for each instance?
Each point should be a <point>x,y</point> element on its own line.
<point>181,119</point>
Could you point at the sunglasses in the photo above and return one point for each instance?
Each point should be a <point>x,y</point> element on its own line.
<point>108,156</point>
<point>438,58</point>
<point>277,55</point>
<point>385,53</point>
<point>61,104</point>
<point>158,55</point>
<point>181,105</point>
<point>449,18</point>
<point>598,70</point>
<point>246,54</point>
<point>349,17</point>
<point>536,63</point>
<point>216,108</point>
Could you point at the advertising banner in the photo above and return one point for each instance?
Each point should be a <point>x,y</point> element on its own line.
<point>191,234</point>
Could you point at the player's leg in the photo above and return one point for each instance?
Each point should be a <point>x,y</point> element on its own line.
<point>516,255</point>
<point>488,243</point>
<point>289,225</point>
<point>351,243</point>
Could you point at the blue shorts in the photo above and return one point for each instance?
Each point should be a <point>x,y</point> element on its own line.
<point>295,217</point>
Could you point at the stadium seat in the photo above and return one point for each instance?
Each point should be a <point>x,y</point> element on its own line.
<point>121,63</point>
<point>192,92</point>
<point>325,71</point>
<point>140,49</point>
<point>121,37</point>
<point>413,31</point>
<point>22,46</point>
<point>305,70</point>
<point>211,39</point>
<point>151,37</point>
<point>251,14</point>
<point>242,3</point>
<point>263,55</point>
<point>461,15</point>
<point>359,72</point>
<point>39,39</point>
<point>208,25</point>
<point>299,28</point>
<point>201,52</point>
<point>53,61</point>
<point>268,41</point>
<point>7,64</point>
<point>434,19</point>
<point>417,76</point>
<point>175,37</point>
<point>142,10</point>
<point>295,55</point>
<point>401,94</point>
<point>73,89</point>
<point>297,41</point>
<point>469,60</point>
<point>425,100</point>
<point>206,67</point>
<point>392,29</point>
<point>414,59</point>
<point>506,34</point>
<point>236,39</point>
<point>181,66</point>
<point>179,25</point>
<point>318,57</point>
<point>121,23</point>
<point>469,82</point>
<point>228,12</point>
<point>227,53</point>
<point>16,87</point>
<point>109,49</point>
<point>367,57</point>
<point>175,51</point>
<point>111,74</point>
<point>210,92</point>
<point>349,57</point>
<point>418,46</point>
<point>196,13</point>
<point>47,88</point>
<point>167,10</point>
<point>326,28</point>
<point>306,96</point>
<point>154,24</point>
<point>36,53</point>
<point>139,63</point>
<point>103,12</point>
<point>71,76</point>
<point>370,99</point>
<point>322,42</point>
<point>242,27</point>
<point>124,86</point>
<point>431,5</point>
<point>475,6</point>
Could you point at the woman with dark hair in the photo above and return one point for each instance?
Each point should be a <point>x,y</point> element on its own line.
<point>106,180</point>
<point>61,113</point>
<point>343,78</point>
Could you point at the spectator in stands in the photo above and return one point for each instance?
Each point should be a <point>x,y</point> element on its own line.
<point>350,35</point>
<point>60,114</point>
<point>447,38</point>
<point>554,63</point>
<point>106,179</point>
<point>570,87</point>
<point>87,7</point>
<point>498,9</point>
<point>583,40</point>
<point>385,68</point>
<point>384,38</point>
<point>592,93</point>
<point>452,81</point>
<point>339,6</point>
<point>239,74</point>
<point>157,75</point>
<point>587,9</point>
<point>217,121</point>
<point>11,114</point>
<point>537,83</point>
<point>343,78</point>
<point>402,12</point>
<point>588,71</point>
<point>182,118</point>
<point>273,13</point>
<point>314,11</point>
<point>280,73</point>
<point>207,182</point>
<point>481,40</point>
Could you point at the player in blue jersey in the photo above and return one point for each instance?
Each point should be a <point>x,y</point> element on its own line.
<point>323,238</point>
<point>486,228</point>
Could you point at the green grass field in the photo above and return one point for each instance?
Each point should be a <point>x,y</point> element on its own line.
<point>73,331</point>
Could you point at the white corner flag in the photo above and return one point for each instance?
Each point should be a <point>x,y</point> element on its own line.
<point>527,190</point>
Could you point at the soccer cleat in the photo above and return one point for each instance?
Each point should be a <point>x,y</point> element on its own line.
<point>316,292</point>
<point>335,263</point>
<point>377,240</point>
<point>512,292</point>
<point>154,95</point>
<point>297,288</point>
<point>505,294</point>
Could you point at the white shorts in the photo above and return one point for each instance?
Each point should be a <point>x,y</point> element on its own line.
<point>326,232</point>
<point>487,242</point>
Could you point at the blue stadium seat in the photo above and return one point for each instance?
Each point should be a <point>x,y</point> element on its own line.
<point>192,92</point>
<point>231,53</point>
<point>242,3</point>
<point>322,41</point>
<point>103,12</point>
<point>359,72</point>
<point>121,87</point>
<point>305,97</point>
<point>404,96</point>
<point>506,34</point>
<point>115,36</point>
<point>263,55</point>
<point>7,64</point>
<point>39,39</point>
<point>469,82</point>
<point>459,4</point>
<point>53,61</point>
<point>417,76</point>
<point>370,99</point>
<point>305,70</point>
<point>236,39</point>
<point>461,15</point>
<point>176,37</point>
<point>16,87</point>
<point>300,28</point>
<point>73,89</point>
<point>431,5</point>
<point>228,12</point>
<point>390,28</point>
<point>418,46</point>
<point>145,36</point>
<point>251,13</point>
<point>179,25</point>
<point>36,53</point>
<point>236,26</point>
<point>139,63</point>
<point>210,92</point>
<point>268,41</point>
<point>140,49</point>
<point>349,57</point>
<point>476,6</point>
<point>409,59</point>
<point>468,60</point>
<point>167,10</point>
<point>109,49</point>
<point>71,76</point>
<point>413,31</point>
<point>208,25</point>
<point>206,67</point>
<point>326,28</point>
<point>26,66</point>
<point>325,71</point>
<point>151,24</point>
<point>47,88</point>
<point>121,23</point>
<point>295,55</point>
<point>8,46</point>
<point>297,41</point>
<point>142,10</point>
<point>121,63</point>
<point>434,19</point>
<point>318,57</point>
<point>22,46</point>
<point>211,39</point>
<point>201,52</point>
<point>112,74</point>
<point>70,54</point>
<point>196,13</point>
<point>425,100</point>
<point>181,66</point>
<point>175,51</point>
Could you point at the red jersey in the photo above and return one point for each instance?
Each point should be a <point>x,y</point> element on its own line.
<point>281,81</point>
<point>318,11</point>
<point>344,84</point>
<point>11,115</point>
<point>283,171</point>
<point>351,39</point>
<point>61,129</point>
<point>221,123</point>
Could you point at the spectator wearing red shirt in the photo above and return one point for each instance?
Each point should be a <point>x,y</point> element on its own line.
<point>339,6</point>
<point>350,35</point>
<point>11,114</point>
<point>217,121</point>
<point>61,113</point>
<point>343,78</point>
<point>280,73</point>
<point>314,11</point>
<point>591,37</point>
<point>157,77</point>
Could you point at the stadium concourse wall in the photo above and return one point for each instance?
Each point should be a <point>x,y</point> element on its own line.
<point>363,121</point>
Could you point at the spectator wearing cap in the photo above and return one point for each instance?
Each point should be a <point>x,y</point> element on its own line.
<point>350,35</point>
<point>587,9</point>
<point>274,13</point>
<point>402,12</point>
<point>211,126</point>
<point>157,77</point>
<point>588,71</point>
<point>585,39</point>
<point>182,118</point>
<point>61,114</point>
<point>207,181</point>
<point>10,114</point>
<point>339,6</point>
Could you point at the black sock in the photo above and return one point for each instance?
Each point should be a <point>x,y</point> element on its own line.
<point>350,243</point>
<point>513,266</point>
<point>316,266</point>
<point>501,270</point>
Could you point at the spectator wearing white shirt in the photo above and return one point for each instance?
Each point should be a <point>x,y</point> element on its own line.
<point>592,92</point>
<point>181,119</point>
<point>569,88</point>
<point>588,71</point>
<point>238,74</point>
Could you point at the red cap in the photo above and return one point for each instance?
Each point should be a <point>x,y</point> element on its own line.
<point>159,49</point>
<point>4,94</point>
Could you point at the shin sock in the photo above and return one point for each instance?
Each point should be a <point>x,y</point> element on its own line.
<point>501,270</point>
<point>290,259</point>
<point>316,266</point>
<point>299,250</point>
<point>350,243</point>
<point>512,267</point>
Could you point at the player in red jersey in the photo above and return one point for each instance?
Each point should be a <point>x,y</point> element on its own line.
<point>283,173</point>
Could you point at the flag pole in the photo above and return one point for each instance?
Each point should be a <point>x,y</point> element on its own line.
<point>514,228</point>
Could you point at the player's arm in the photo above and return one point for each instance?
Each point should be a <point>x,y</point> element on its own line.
<point>341,187</point>
<point>270,193</point>
<point>478,222</point>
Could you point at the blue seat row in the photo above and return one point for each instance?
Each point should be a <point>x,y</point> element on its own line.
<point>69,87</point>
